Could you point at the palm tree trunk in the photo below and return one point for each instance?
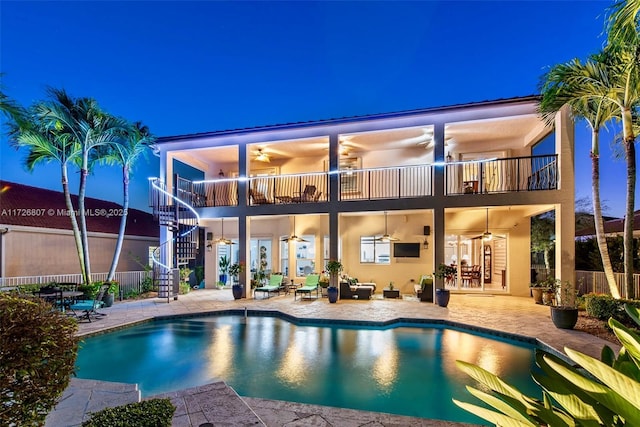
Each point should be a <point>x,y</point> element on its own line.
<point>74,220</point>
<point>123,222</point>
<point>83,219</point>
<point>598,220</point>
<point>630,152</point>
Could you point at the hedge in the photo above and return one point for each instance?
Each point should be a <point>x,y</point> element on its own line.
<point>148,413</point>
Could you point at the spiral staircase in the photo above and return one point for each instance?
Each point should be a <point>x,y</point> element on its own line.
<point>181,220</point>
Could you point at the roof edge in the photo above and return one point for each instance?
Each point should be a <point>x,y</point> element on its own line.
<point>284,126</point>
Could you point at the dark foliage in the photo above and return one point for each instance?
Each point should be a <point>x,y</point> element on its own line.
<point>148,413</point>
<point>38,349</point>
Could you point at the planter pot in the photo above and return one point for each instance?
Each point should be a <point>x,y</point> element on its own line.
<point>223,278</point>
<point>237,291</point>
<point>548,297</point>
<point>537,295</point>
<point>108,299</point>
<point>332,294</point>
<point>564,318</point>
<point>442,297</point>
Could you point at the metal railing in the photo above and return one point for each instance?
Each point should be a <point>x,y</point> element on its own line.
<point>528,173</point>
<point>298,188</point>
<point>127,280</point>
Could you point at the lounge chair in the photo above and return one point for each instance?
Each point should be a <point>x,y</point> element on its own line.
<point>275,285</point>
<point>90,308</point>
<point>311,283</point>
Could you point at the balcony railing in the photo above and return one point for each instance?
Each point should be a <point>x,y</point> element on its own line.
<point>502,175</point>
<point>398,182</point>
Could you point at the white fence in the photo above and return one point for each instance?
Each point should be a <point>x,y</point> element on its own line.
<point>127,280</point>
<point>593,281</point>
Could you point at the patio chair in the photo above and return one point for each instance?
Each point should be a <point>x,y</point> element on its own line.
<point>306,196</point>
<point>275,285</point>
<point>90,308</point>
<point>258,198</point>
<point>53,295</point>
<point>311,283</point>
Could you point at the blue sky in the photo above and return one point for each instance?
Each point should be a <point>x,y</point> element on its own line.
<point>186,67</point>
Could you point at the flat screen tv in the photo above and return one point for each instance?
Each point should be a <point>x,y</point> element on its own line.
<point>406,250</point>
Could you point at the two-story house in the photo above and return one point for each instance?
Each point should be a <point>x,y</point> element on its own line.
<point>391,195</point>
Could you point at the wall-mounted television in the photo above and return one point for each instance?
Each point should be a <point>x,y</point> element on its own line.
<point>406,250</point>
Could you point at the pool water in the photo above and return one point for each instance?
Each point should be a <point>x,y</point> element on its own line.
<point>404,369</point>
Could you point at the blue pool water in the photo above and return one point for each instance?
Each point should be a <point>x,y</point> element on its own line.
<point>404,369</point>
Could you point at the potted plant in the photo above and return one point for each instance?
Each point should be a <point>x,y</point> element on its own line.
<point>234,271</point>
<point>537,289</point>
<point>446,272</point>
<point>324,283</point>
<point>223,264</point>
<point>334,267</point>
<point>564,313</point>
<point>109,296</point>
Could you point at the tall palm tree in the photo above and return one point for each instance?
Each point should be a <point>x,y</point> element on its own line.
<point>83,122</point>
<point>622,54</point>
<point>134,143</point>
<point>36,132</point>
<point>567,84</point>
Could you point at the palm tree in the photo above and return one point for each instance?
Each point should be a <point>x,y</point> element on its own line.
<point>622,55</point>
<point>83,122</point>
<point>38,133</point>
<point>134,143</point>
<point>570,84</point>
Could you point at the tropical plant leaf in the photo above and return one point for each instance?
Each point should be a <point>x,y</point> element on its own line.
<point>629,339</point>
<point>607,355</point>
<point>549,415</point>
<point>569,401</point>
<point>633,312</point>
<point>618,382</point>
<point>492,416</point>
<point>490,380</point>
<point>560,383</point>
<point>513,409</point>
<point>604,394</point>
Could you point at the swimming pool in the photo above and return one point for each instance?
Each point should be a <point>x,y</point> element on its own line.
<point>403,369</point>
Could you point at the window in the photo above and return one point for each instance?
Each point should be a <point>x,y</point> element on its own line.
<point>373,251</point>
<point>305,256</point>
<point>260,255</point>
<point>284,256</point>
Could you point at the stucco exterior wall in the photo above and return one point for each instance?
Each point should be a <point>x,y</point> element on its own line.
<point>32,251</point>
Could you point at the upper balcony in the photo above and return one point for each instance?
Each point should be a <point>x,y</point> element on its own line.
<point>489,148</point>
<point>514,174</point>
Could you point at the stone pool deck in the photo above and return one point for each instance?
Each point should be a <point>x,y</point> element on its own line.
<point>221,406</point>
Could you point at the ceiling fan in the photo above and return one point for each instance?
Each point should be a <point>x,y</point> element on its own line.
<point>294,237</point>
<point>223,240</point>
<point>386,237</point>
<point>261,156</point>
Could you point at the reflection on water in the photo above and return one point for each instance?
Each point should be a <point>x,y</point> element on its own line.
<point>402,370</point>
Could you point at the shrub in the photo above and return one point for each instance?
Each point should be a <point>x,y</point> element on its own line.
<point>90,291</point>
<point>148,413</point>
<point>38,350</point>
<point>147,284</point>
<point>604,307</point>
<point>185,288</point>
<point>131,293</point>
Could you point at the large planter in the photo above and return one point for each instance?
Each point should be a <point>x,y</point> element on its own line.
<point>222,278</point>
<point>237,291</point>
<point>442,297</point>
<point>548,296</point>
<point>563,317</point>
<point>332,294</point>
<point>537,295</point>
<point>108,299</point>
